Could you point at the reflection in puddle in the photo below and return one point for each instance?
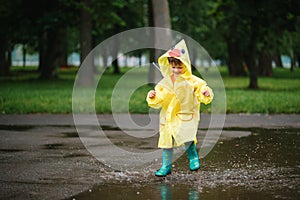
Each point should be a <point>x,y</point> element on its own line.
<point>166,191</point>
<point>264,165</point>
<point>163,191</point>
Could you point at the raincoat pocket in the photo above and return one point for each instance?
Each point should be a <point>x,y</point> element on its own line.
<point>185,116</point>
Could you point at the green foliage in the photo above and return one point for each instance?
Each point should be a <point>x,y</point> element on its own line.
<point>23,93</point>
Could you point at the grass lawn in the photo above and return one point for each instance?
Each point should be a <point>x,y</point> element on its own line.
<point>23,93</point>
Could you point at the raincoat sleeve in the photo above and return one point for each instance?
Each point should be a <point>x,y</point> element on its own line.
<point>157,101</point>
<point>201,86</point>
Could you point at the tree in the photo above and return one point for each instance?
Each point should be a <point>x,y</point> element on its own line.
<point>194,19</point>
<point>112,17</point>
<point>161,17</point>
<point>232,26</point>
<point>86,75</point>
<point>46,24</point>
<point>39,25</point>
<point>8,21</point>
<point>256,26</point>
<point>296,41</point>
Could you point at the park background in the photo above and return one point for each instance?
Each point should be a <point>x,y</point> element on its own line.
<point>254,43</point>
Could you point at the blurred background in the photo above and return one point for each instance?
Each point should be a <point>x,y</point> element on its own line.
<point>246,38</point>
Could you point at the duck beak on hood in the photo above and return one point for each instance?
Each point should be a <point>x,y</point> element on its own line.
<point>180,52</point>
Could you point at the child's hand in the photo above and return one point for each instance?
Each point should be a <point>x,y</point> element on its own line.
<point>151,94</point>
<point>205,93</point>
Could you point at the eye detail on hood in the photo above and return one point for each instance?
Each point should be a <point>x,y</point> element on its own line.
<point>182,51</point>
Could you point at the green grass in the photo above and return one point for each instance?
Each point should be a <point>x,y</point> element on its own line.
<point>24,93</point>
<point>279,94</point>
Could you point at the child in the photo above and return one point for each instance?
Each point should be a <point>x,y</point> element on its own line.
<point>178,95</point>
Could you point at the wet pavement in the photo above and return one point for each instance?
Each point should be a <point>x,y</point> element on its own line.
<point>42,157</point>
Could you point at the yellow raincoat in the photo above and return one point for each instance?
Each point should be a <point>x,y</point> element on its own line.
<point>179,102</point>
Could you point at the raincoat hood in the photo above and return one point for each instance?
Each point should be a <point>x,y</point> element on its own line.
<point>180,52</point>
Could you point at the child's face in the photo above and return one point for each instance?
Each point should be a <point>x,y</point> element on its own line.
<point>176,69</point>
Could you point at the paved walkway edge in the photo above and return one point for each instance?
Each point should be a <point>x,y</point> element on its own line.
<point>231,120</point>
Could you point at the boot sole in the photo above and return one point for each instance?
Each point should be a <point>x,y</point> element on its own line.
<point>162,175</point>
<point>194,170</point>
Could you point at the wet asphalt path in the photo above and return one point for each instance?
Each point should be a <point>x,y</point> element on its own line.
<point>42,156</point>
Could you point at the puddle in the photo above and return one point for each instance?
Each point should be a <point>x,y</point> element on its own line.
<point>53,146</point>
<point>263,165</point>
<point>71,134</point>
<point>73,155</point>
<point>167,191</point>
<point>16,128</point>
<point>10,150</point>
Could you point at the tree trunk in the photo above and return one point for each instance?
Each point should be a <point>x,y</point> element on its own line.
<point>161,16</point>
<point>85,30</point>
<point>86,78</point>
<point>24,52</point>
<point>161,13</point>
<point>251,63</point>
<point>151,75</point>
<point>42,50</point>
<point>140,55</point>
<point>116,67</point>
<point>115,50</point>
<point>105,57</point>
<point>235,58</point>
<point>52,52</point>
<point>251,57</point>
<point>265,63</point>
<point>9,54</point>
<point>292,60</point>
<point>4,65</point>
<point>277,59</point>
<point>298,59</point>
<point>63,56</point>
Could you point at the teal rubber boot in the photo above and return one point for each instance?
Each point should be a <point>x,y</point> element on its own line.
<point>192,156</point>
<point>166,168</point>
